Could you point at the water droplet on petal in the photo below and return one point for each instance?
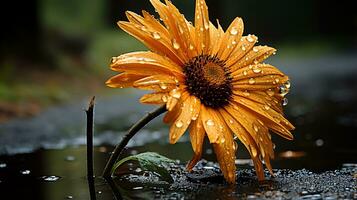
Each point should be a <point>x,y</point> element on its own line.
<point>210,122</point>
<point>234,31</point>
<point>243,48</point>
<point>245,73</point>
<point>163,86</point>
<point>250,38</point>
<point>179,124</point>
<point>255,127</point>
<point>287,84</point>
<point>253,151</point>
<point>164,98</point>
<point>231,121</point>
<point>194,117</point>
<point>255,49</point>
<point>285,101</point>
<point>283,90</point>
<point>222,140</point>
<point>191,47</point>
<point>156,36</point>
<point>251,81</point>
<point>175,44</point>
<point>270,92</point>
<point>266,107</point>
<point>175,93</point>
<point>256,69</point>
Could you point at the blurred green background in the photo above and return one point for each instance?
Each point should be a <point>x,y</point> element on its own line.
<point>53,51</point>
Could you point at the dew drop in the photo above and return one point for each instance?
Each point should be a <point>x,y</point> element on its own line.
<point>179,124</point>
<point>175,44</point>
<point>255,127</point>
<point>251,81</point>
<point>243,48</point>
<point>69,197</point>
<point>253,151</point>
<point>287,84</point>
<point>191,47</point>
<point>206,25</point>
<point>245,73</point>
<point>283,90</point>
<point>163,86</point>
<point>175,94</point>
<point>164,98</point>
<point>138,188</point>
<point>270,92</point>
<point>255,49</point>
<point>250,38</point>
<point>231,121</point>
<point>256,69</point>
<point>285,101</point>
<point>266,107</point>
<point>222,140</point>
<point>3,165</point>
<point>156,36</point>
<point>143,28</point>
<point>210,122</point>
<point>234,31</point>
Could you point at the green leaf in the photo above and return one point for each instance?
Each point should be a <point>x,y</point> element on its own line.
<point>149,161</point>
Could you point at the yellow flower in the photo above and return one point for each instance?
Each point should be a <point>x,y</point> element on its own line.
<point>212,82</point>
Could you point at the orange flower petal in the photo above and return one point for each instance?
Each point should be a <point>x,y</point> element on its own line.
<point>258,77</point>
<point>225,150</point>
<point>202,25</point>
<point>231,38</point>
<point>273,122</point>
<point>245,44</point>
<point>197,134</point>
<point>182,122</point>
<point>154,98</point>
<point>212,123</point>
<point>123,80</point>
<point>256,55</point>
<point>153,38</point>
<point>145,63</point>
<point>244,136</point>
<point>175,26</point>
<point>216,38</point>
<point>161,83</point>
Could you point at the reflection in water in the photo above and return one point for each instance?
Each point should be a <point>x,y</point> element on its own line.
<point>292,154</point>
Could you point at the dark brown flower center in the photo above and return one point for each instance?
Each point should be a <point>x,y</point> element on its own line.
<point>208,79</point>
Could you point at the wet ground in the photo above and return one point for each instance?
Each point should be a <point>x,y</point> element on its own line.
<point>44,157</point>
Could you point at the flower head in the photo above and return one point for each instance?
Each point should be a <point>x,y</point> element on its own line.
<point>212,81</point>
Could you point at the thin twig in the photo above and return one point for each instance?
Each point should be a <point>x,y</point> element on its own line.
<point>90,173</point>
<point>89,113</point>
<point>132,131</point>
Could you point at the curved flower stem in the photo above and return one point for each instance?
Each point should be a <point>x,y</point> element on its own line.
<point>132,131</point>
